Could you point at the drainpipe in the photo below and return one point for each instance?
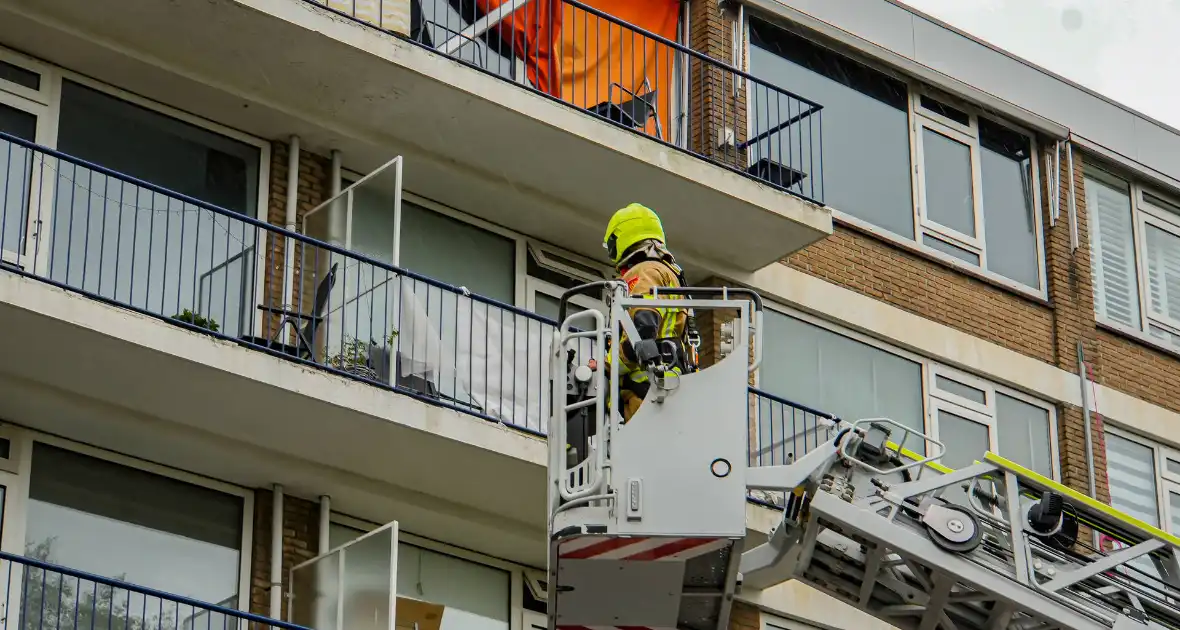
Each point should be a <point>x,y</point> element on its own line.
<point>336,218</point>
<point>1090,476</point>
<point>325,522</point>
<point>292,206</point>
<point>276,553</point>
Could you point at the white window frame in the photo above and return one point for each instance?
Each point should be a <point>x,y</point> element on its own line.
<point>47,127</point>
<point>1144,212</point>
<point>918,118</point>
<point>926,121</point>
<point>934,398</point>
<point>516,612</point>
<point>22,441</point>
<point>524,284</point>
<point>1165,481</point>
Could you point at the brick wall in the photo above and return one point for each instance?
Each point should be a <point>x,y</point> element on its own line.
<point>1071,292</point>
<point>743,616</point>
<point>717,99</point>
<point>300,541</point>
<point>314,188</point>
<point>917,284</point>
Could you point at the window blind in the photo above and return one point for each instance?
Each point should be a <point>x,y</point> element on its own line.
<point>1116,294</point>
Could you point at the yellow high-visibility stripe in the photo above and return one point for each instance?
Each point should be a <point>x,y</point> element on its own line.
<point>1026,475</point>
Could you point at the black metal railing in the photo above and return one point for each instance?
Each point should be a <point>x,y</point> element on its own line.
<point>782,431</point>
<point>131,243</point>
<point>44,596</point>
<point>639,80</point>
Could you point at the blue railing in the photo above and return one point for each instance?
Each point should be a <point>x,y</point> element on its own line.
<point>782,431</point>
<point>625,75</point>
<point>44,596</point>
<point>133,244</point>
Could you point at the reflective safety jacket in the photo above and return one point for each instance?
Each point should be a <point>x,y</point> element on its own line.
<point>641,278</point>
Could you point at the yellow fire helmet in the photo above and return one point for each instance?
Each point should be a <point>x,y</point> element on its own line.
<point>629,226</point>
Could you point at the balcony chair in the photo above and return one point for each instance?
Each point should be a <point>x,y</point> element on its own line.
<point>776,173</point>
<point>304,346</point>
<point>633,113</point>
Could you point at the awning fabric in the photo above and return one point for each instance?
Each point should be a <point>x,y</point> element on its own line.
<point>577,56</point>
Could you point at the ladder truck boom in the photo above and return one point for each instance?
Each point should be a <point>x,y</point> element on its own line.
<point>647,517</point>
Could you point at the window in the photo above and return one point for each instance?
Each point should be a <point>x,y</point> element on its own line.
<point>20,76</point>
<point>149,526</point>
<point>133,245</point>
<point>976,194</point>
<point>824,370</point>
<point>866,160</point>
<point>973,416</point>
<point>965,193</point>
<point>1131,471</point>
<point>810,364</point>
<point>1135,238</point>
<point>475,596</point>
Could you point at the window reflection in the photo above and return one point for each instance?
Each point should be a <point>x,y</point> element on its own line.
<point>154,531</point>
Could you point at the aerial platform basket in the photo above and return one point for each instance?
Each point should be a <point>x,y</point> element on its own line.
<point>647,516</point>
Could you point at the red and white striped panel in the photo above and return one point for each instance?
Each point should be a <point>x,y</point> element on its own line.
<point>638,548</point>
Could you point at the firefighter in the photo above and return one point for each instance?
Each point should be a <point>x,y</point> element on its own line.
<point>668,340</point>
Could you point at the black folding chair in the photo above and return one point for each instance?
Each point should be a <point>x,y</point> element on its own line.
<point>304,347</point>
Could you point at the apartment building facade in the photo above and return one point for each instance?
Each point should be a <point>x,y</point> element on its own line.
<point>282,271</point>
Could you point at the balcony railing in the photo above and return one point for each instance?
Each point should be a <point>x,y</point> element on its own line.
<point>634,78</point>
<point>43,596</point>
<point>781,432</point>
<point>133,244</point>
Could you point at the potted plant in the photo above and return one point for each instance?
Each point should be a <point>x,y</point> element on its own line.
<point>198,320</point>
<point>354,356</point>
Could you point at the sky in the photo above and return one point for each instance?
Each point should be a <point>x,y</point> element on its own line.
<point>1127,50</point>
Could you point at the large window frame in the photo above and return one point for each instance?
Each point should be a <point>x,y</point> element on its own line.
<point>518,617</point>
<point>922,118</point>
<point>21,463</point>
<point>48,101</point>
<point>935,398</point>
<point>1147,210</point>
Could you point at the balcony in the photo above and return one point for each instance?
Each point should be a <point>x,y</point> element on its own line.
<point>480,116</point>
<point>46,596</point>
<point>105,237</point>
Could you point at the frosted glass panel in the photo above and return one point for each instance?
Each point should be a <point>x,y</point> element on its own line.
<point>472,596</point>
<point>315,591</point>
<point>1023,434</point>
<point>959,389</point>
<point>815,367</point>
<point>458,253</point>
<point>367,589</point>
<point>966,440</point>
